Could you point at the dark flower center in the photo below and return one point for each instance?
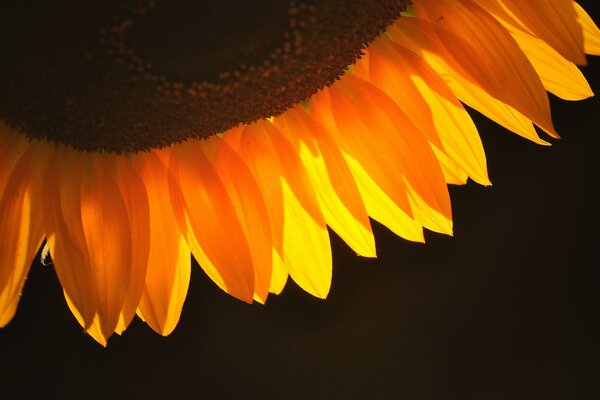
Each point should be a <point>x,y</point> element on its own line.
<point>128,76</point>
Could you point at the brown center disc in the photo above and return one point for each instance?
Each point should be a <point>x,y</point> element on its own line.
<point>128,76</point>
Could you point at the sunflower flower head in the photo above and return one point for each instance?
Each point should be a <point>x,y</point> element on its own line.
<point>136,133</point>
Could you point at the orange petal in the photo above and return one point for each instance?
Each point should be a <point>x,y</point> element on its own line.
<point>430,104</point>
<point>391,149</point>
<point>93,329</point>
<point>108,238</point>
<point>169,263</point>
<point>65,233</point>
<point>21,231</point>
<point>92,226</point>
<point>12,147</point>
<point>300,235</point>
<point>418,35</point>
<point>249,206</point>
<point>553,21</point>
<point>559,76</point>
<point>335,187</point>
<point>135,198</point>
<point>207,218</point>
<point>380,206</point>
<point>489,56</point>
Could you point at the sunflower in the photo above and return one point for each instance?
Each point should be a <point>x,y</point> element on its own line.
<point>133,133</point>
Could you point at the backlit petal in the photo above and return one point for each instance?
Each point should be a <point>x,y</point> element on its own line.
<point>300,235</point>
<point>335,187</point>
<point>554,22</point>
<point>21,231</point>
<point>441,117</point>
<point>206,216</point>
<point>169,261</point>
<point>418,35</point>
<point>391,149</point>
<point>489,55</point>
<point>591,33</point>
<point>250,209</point>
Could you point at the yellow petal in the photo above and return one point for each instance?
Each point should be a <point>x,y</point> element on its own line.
<point>378,134</point>
<point>418,35</point>
<point>554,22</point>
<point>300,235</point>
<point>93,329</point>
<point>430,104</point>
<point>591,33</point>
<point>453,174</point>
<point>559,76</point>
<point>379,204</point>
<point>489,56</point>
<point>336,190</point>
<point>279,275</point>
<point>306,247</point>
<point>382,208</point>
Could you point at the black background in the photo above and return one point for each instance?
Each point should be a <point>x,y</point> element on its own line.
<point>505,309</point>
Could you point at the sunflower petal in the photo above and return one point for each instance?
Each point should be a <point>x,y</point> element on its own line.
<point>300,235</point>
<point>206,216</point>
<point>12,148</point>
<point>379,205</point>
<point>169,262</point>
<point>399,159</point>
<point>453,174</point>
<point>559,76</point>
<point>382,208</point>
<point>489,56</point>
<point>437,112</point>
<point>65,234</point>
<point>135,198</point>
<point>249,206</point>
<point>93,222</point>
<point>21,231</point>
<point>279,274</point>
<point>108,238</point>
<point>591,33</point>
<point>336,190</point>
<point>418,35</point>
<point>554,22</point>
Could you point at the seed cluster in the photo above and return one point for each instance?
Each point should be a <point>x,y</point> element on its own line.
<point>128,76</point>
